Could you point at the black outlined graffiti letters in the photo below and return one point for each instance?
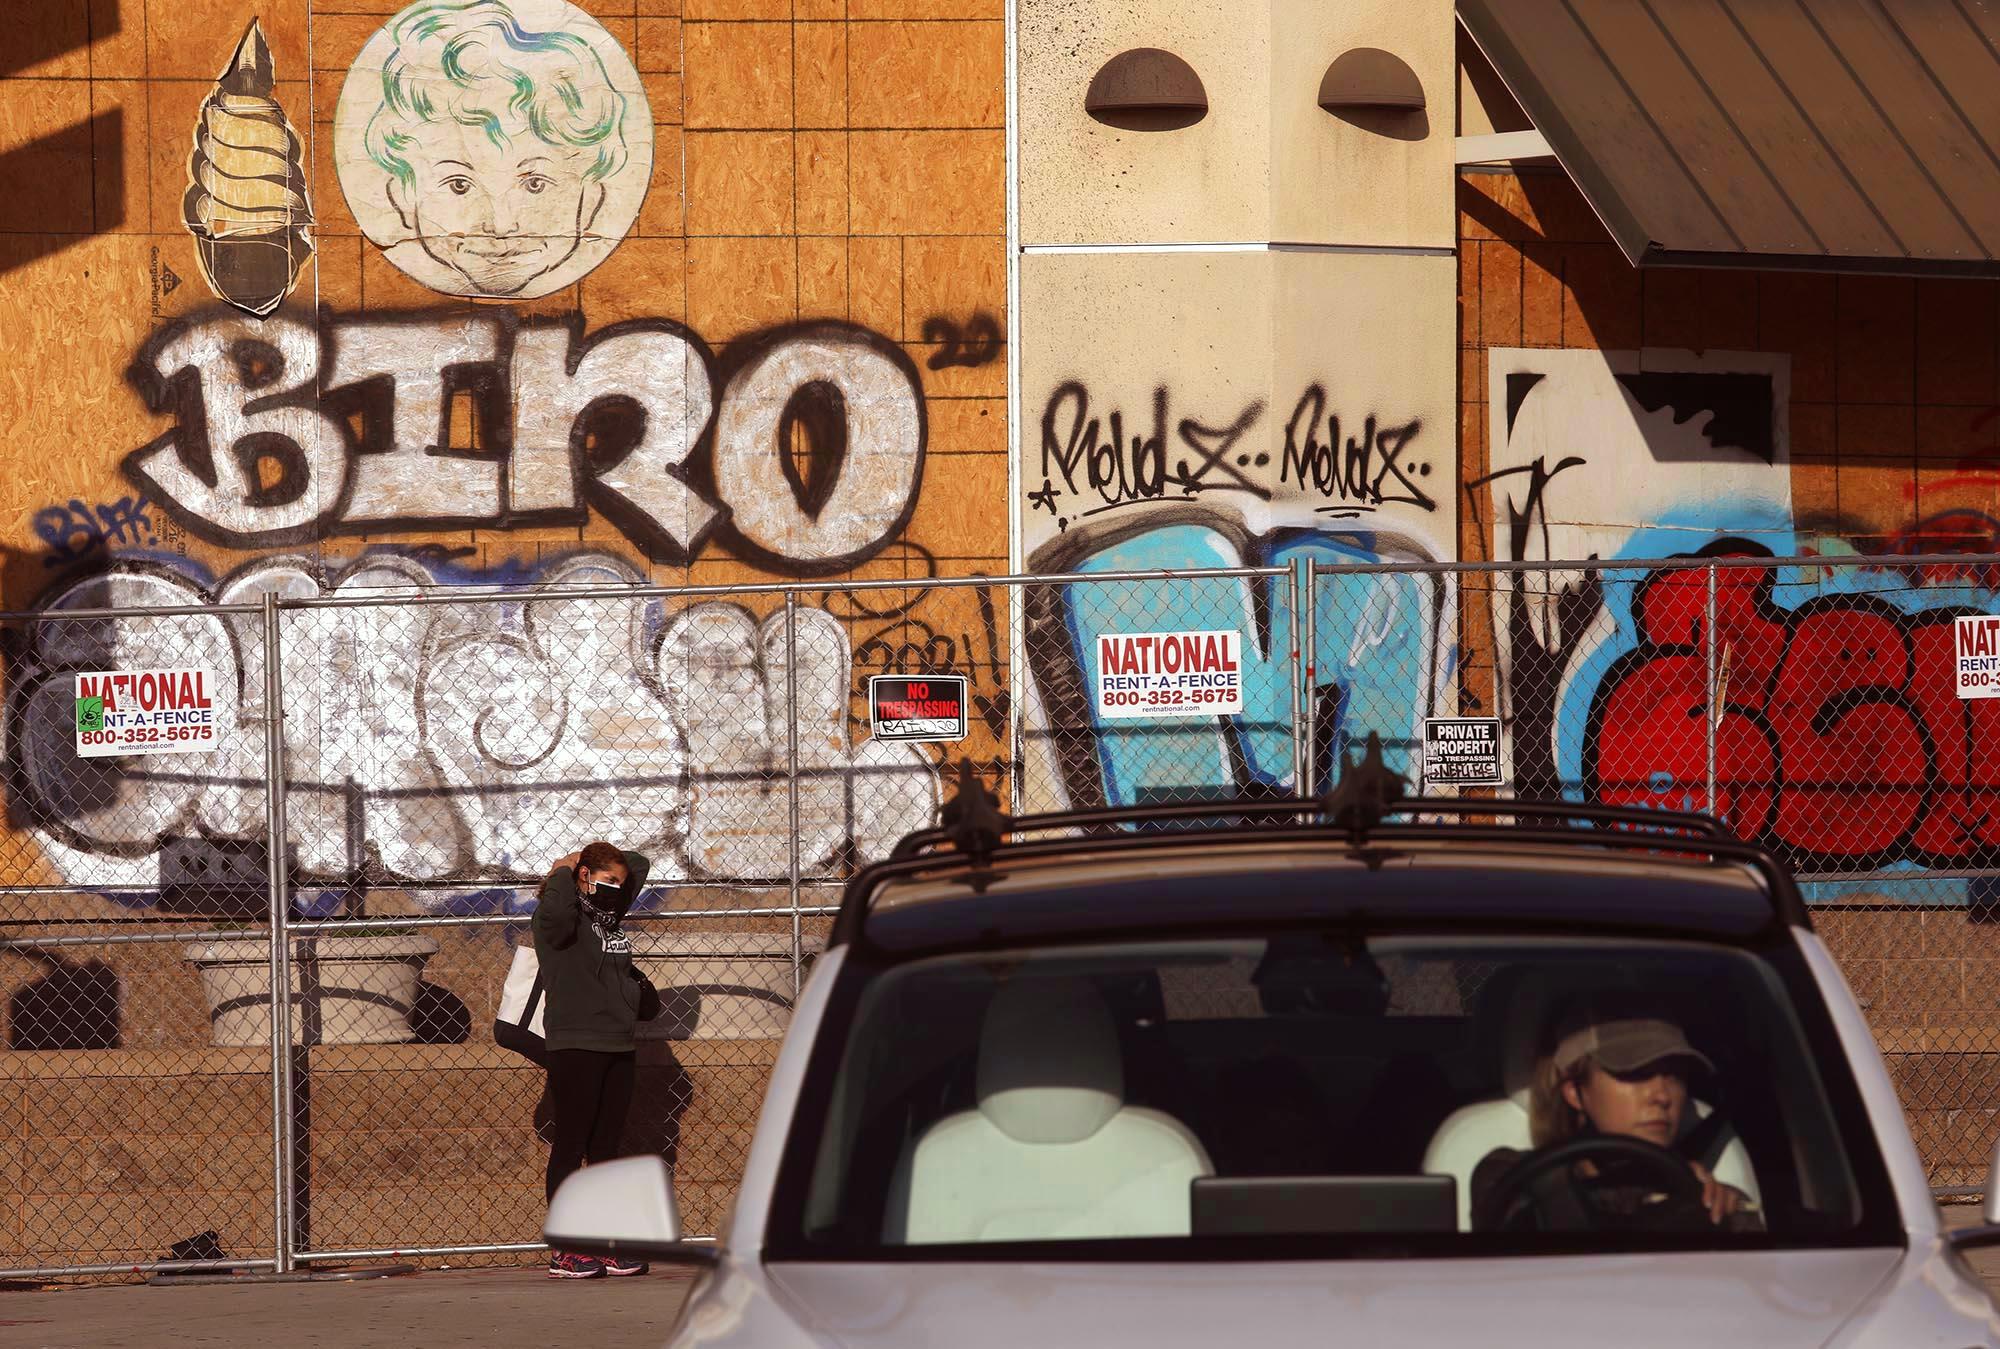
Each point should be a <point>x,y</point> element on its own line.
<point>288,431</point>
<point>978,342</point>
<point>445,742</point>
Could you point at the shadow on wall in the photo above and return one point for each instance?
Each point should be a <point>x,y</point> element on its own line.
<point>24,576</point>
<point>1557,215</point>
<point>70,1007</point>
<point>1394,123</point>
<point>439,1016</point>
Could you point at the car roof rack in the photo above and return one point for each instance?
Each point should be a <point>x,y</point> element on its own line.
<point>1367,794</point>
<point>1369,805</point>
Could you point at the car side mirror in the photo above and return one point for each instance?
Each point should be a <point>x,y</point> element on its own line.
<point>622,1208</point>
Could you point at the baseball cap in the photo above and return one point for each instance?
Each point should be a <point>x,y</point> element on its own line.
<point>1627,1045</point>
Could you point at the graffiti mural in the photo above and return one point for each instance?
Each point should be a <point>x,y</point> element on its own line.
<point>1609,455</point>
<point>1839,738</point>
<point>1837,735</point>
<point>1380,662</point>
<point>459,741</point>
<point>288,431</point>
<point>495,148</point>
<point>1186,457</point>
<point>246,204</point>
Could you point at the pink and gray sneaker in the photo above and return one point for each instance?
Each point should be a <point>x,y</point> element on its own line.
<point>624,1269</point>
<point>563,1265</point>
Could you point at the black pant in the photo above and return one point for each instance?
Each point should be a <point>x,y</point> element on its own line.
<point>590,1094</point>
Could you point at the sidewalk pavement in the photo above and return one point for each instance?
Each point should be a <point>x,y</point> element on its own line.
<point>437,1309</point>
<point>1985,1263</point>
<point>448,1309</point>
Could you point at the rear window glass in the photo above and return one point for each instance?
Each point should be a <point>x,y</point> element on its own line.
<point>1438,1094</point>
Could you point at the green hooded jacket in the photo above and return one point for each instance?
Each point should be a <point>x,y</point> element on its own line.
<point>593,994</point>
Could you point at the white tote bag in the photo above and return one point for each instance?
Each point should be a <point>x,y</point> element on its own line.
<point>519,1025</point>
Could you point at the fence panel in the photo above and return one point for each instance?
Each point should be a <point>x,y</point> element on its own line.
<point>136,1124</point>
<point>1381,658</point>
<point>1843,743</point>
<point>1809,703</point>
<point>442,749</point>
<point>1107,720</point>
<point>441,757</point>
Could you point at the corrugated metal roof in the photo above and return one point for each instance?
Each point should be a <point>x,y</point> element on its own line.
<point>1835,135</point>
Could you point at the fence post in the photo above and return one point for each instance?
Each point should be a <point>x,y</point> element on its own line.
<point>1017,697</point>
<point>792,773</point>
<point>1301,787</point>
<point>1710,712</point>
<point>281,976</point>
<point>1309,689</point>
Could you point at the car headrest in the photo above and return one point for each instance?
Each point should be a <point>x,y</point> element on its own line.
<point>1049,1063</point>
<point>1515,1006</point>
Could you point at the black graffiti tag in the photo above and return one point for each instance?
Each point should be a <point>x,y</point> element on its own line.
<point>978,343</point>
<point>1087,455</point>
<point>1094,455</point>
<point>1364,470</point>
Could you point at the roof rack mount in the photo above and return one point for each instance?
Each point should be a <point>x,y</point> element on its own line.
<point>1365,793</point>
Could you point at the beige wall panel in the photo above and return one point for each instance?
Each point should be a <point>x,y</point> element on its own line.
<point>1191,353</point>
<point>1390,389</point>
<point>1370,178</point>
<point>1129,345</point>
<point>1085,182</point>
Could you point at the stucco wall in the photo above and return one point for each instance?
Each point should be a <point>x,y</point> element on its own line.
<point>1127,405</point>
<point>1266,162</point>
<point>1275,390</point>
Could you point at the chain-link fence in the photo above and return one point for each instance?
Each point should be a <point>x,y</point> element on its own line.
<point>443,747</point>
<point>1812,704</point>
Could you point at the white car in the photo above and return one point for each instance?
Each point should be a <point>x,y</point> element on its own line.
<point>1306,1073</point>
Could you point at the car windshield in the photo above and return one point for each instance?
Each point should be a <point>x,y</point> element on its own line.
<point>1296,1092</point>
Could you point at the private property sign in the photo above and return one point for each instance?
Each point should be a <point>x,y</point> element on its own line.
<point>1462,752</point>
<point>144,712</point>
<point>1978,657</point>
<point>1169,674</point>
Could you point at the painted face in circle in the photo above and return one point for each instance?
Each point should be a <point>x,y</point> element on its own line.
<point>499,215</point>
<point>1646,1104</point>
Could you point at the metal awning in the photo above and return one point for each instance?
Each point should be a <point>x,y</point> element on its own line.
<point>1829,135</point>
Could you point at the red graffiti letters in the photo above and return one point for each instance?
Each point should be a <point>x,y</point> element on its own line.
<point>1840,739</point>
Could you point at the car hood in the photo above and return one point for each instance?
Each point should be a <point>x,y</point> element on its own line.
<point>1772,1299</point>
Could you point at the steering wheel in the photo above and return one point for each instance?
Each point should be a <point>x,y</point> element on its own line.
<point>1512,1198</point>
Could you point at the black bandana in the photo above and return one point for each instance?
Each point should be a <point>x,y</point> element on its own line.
<point>605,924</point>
